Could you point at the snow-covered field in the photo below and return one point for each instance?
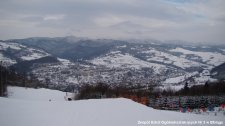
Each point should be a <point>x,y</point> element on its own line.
<point>27,53</point>
<point>7,61</point>
<point>32,108</point>
<point>171,59</point>
<point>16,46</point>
<point>210,58</point>
<point>116,59</point>
<point>34,54</point>
<point>179,78</point>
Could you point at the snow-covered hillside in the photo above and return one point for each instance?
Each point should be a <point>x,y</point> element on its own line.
<point>176,65</point>
<point>167,58</point>
<point>116,59</point>
<point>179,78</point>
<point>210,58</point>
<point>113,61</point>
<point>10,52</point>
<point>103,112</point>
<point>7,61</point>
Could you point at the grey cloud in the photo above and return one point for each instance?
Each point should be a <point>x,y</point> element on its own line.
<point>32,18</point>
<point>163,19</point>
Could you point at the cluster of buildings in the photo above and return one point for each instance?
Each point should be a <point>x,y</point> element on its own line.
<point>59,75</point>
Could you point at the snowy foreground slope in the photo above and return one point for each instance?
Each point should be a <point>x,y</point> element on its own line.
<point>104,112</point>
<point>41,94</point>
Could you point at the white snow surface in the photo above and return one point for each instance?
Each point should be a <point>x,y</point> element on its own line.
<point>170,86</point>
<point>123,46</point>
<point>175,79</point>
<point>72,80</point>
<point>179,78</point>
<point>4,46</point>
<point>29,53</point>
<point>200,78</point>
<point>34,54</point>
<point>7,61</point>
<point>203,79</point>
<point>171,59</point>
<point>15,111</point>
<point>40,94</point>
<point>211,58</point>
<point>65,61</point>
<point>116,59</point>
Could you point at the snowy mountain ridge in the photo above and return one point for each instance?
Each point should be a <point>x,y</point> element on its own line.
<point>113,61</point>
<point>11,53</point>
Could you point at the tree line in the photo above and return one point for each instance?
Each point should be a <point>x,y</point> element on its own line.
<point>103,90</point>
<point>8,76</point>
<point>209,88</point>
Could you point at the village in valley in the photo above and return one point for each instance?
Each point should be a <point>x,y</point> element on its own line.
<point>168,85</point>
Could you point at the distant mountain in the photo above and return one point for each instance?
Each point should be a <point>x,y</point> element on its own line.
<point>26,66</point>
<point>11,53</point>
<point>72,48</point>
<point>73,61</point>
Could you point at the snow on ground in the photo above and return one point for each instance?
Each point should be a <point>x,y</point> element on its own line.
<point>116,59</point>
<point>107,112</point>
<point>34,54</point>
<point>173,83</point>
<point>179,78</point>
<point>4,46</point>
<point>7,61</point>
<point>175,79</point>
<point>171,59</point>
<point>171,87</point>
<point>211,58</point>
<point>203,79</point>
<point>28,53</point>
<point>21,109</point>
<point>123,46</point>
<point>65,61</point>
<point>72,80</point>
<point>199,78</point>
<point>41,94</point>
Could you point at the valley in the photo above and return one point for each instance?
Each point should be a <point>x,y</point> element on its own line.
<point>88,61</point>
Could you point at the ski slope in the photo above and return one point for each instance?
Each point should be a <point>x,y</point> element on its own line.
<point>40,94</point>
<point>16,111</point>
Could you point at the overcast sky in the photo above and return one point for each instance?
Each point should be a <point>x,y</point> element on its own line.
<point>190,20</point>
